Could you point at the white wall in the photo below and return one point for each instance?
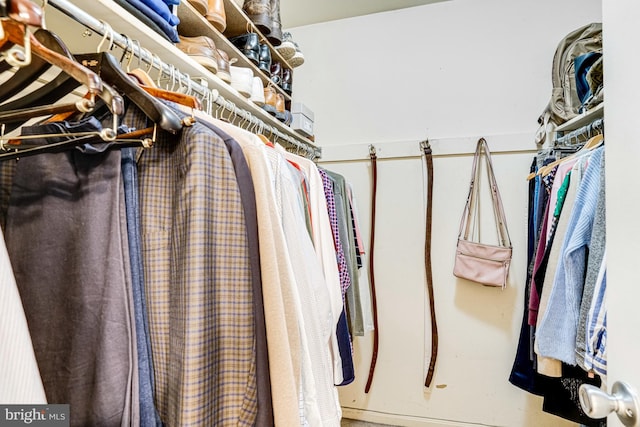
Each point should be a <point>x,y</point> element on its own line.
<point>452,72</point>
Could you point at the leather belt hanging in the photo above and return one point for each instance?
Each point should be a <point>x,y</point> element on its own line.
<point>426,148</point>
<point>374,355</point>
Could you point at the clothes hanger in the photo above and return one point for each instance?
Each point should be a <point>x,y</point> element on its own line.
<point>19,35</point>
<point>108,68</point>
<point>25,12</point>
<point>591,144</point>
<point>28,147</point>
<point>37,103</point>
<point>142,78</point>
<point>62,84</point>
<point>27,72</point>
<point>26,75</point>
<point>143,75</point>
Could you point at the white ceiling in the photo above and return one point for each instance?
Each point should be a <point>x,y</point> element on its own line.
<point>296,13</point>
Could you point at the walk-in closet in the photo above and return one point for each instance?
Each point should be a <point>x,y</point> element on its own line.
<point>318,213</point>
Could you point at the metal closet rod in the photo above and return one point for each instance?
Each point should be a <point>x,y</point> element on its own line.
<point>587,131</point>
<point>207,94</point>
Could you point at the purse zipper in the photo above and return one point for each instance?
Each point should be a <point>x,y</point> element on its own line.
<point>488,259</point>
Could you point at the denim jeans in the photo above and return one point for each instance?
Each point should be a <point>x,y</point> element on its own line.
<point>148,415</point>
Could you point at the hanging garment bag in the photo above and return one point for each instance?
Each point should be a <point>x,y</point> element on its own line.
<point>475,261</point>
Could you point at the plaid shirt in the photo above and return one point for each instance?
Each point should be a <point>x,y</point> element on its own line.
<point>345,279</point>
<point>197,280</point>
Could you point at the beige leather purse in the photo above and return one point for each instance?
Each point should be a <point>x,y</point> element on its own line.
<point>479,262</point>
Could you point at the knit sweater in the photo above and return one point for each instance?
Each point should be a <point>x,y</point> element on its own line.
<point>556,335</point>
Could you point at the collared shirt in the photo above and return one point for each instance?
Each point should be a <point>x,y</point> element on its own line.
<point>345,280</point>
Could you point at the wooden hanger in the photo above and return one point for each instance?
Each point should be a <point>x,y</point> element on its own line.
<point>592,143</point>
<point>30,105</point>
<point>62,84</point>
<point>25,12</point>
<point>146,82</point>
<point>143,77</point>
<point>15,33</point>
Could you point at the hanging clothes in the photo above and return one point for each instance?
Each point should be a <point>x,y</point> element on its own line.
<point>282,330</point>
<point>149,415</point>
<point>325,251</point>
<point>591,331</point>
<point>563,195</point>
<point>75,283</point>
<point>218,298</point>
<point>317,394</point>
<point>199,291</point>
<point>556,334</point>
<point>344,338</point>
<point>21,380</point>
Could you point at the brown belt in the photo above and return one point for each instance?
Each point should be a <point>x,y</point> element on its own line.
<point>427,263</point>
<point>374,356</point>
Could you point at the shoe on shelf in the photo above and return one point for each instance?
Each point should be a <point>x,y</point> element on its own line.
<point>249,45</point>
<point>298,58</point>
<point>242,80</point>
<point>280,109</point>
<point>216,15</point>
<point>287,80</point>
<point>202,49</point>
<point>202,6</point>
<point>287,49</point>
<point>264,62</point>
<point>276,73</point>
<point>259,12</point>
<point>257,92</point>
<point>223,66</point>
<point>269,100</point>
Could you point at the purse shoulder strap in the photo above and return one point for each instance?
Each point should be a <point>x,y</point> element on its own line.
<point>465,222</point>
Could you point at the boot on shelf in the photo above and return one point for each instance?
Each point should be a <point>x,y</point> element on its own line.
<point>259,11</point>
<point>216,15</point>
<point>265,59</point>
<point>275,36</point>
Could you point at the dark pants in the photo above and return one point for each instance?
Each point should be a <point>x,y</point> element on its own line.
<point>66,238</point>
